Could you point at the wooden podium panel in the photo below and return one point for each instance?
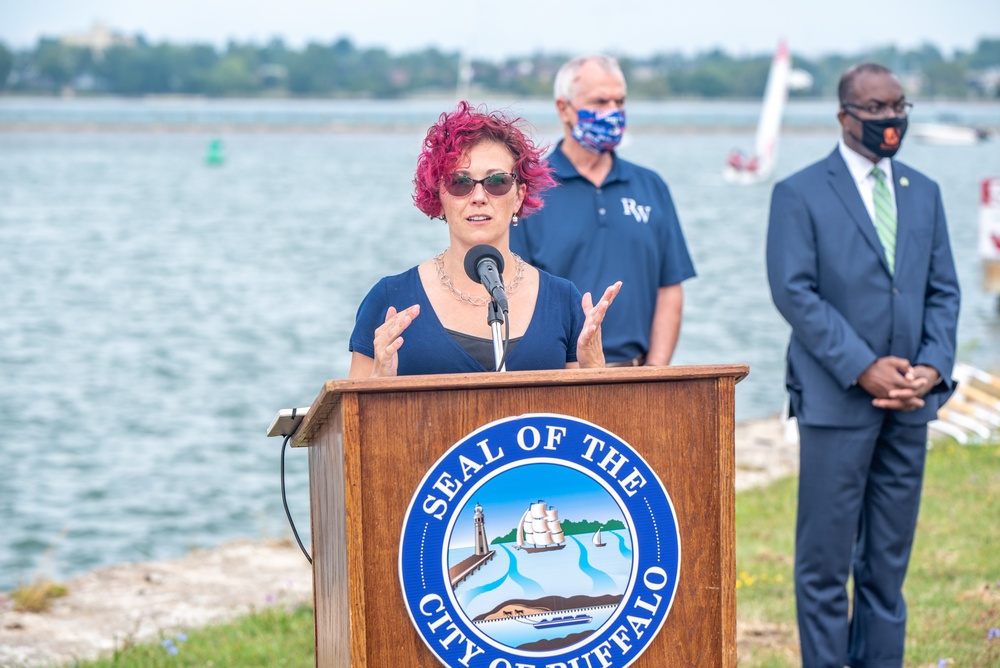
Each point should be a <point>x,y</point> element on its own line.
<point>372,441</point>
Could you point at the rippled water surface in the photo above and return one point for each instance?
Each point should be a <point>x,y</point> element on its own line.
<point>155,312</point>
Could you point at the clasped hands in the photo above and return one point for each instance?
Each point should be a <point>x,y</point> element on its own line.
<point>896,385</point>
<point>589,349</point>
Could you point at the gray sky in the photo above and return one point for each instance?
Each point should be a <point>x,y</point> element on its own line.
<point>500,28</point>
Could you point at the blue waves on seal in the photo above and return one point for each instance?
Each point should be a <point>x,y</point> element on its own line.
<point>602,581</point>
<point>623,547</point>
<point>530,587</point>
<point>470,594</point>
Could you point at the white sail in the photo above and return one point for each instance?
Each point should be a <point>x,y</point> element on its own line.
<point>758,167</point>
<point>554,526</point>
<point>521,525</point>
<point>597,537</point>
<point>538,523</point>
<point>775,97</point>
<point>539,527</point>
<point>465,73</point>
<point>542,538</point>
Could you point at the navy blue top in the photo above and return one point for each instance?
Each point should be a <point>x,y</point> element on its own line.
<point>626,230</point>
<point>548,343</point>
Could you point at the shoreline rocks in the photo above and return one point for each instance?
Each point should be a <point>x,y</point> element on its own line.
<point>133,603</point>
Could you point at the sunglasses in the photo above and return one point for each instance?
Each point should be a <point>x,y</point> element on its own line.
<point>498,184</point>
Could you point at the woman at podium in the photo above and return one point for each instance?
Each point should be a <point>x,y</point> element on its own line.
<point>478,172</point>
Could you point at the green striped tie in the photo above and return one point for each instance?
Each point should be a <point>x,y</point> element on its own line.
<point>885,218</point>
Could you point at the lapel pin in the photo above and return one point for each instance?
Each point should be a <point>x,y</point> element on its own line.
<point>903,181</point>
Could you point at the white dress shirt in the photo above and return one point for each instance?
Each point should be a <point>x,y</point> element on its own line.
<point>860,168</point>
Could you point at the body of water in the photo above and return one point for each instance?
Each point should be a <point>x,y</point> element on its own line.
<point>165,113</point>
<point>155,312</point>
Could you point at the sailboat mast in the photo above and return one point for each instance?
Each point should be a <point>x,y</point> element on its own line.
<point>775,97</point>
<point>463,86</point>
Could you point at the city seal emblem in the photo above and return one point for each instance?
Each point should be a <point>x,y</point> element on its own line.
<point>539,541</point>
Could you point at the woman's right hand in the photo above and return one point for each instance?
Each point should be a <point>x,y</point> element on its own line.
<point>388,341</point>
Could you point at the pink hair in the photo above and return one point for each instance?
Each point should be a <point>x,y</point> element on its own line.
<point>458,131</point>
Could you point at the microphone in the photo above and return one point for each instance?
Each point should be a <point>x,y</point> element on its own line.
<point>484,264</point>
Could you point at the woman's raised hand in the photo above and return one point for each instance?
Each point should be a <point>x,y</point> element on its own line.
<point>388,339</point>
<point>589,350</point>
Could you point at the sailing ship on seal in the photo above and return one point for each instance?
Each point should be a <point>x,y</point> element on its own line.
<point>540,530</point>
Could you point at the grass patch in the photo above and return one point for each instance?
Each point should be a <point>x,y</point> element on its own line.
<point>952,588</point>
<point>37,596</point>
<point>270,637</point>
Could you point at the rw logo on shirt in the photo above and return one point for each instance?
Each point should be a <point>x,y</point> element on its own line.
<point>641,213</point>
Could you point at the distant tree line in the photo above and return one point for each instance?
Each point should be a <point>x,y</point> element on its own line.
<point>342,70</point>
<point>569,527</point>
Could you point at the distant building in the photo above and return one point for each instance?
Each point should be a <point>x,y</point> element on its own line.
<point>98,39</point>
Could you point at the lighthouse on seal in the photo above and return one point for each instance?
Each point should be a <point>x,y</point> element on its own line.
<point>482,545</point>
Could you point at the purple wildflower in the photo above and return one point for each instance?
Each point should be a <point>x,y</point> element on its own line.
<point>168,645</point>
<point>993,634</point>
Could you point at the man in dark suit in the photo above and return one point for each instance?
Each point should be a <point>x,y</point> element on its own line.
<point>860,265</point>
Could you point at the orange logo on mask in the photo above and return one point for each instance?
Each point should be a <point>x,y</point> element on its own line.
<point>890,138</point>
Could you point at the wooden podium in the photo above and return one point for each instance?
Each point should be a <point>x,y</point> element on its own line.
<point>372,440</point>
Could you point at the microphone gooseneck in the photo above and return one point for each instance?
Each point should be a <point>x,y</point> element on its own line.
<point>484,264</point>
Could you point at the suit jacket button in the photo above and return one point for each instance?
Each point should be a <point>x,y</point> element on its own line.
<point>895,291</point>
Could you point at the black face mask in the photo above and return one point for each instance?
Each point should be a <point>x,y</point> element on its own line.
<point>882,136</point>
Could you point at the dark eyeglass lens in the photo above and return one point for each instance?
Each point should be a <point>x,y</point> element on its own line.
<point>498,184</point>
<point>461,186</point>
<point>494,184</point>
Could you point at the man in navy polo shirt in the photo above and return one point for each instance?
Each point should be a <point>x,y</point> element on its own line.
<point>609,220</point>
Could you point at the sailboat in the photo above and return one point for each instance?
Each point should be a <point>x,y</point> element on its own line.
<point>463,85</point>
<point>948,134</point>
<point>597,538</point>
<point>755,168</point>
<point>465,73</point>
<point>539,529</point>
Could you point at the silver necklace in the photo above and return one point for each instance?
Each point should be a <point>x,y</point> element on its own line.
<point>463,296</point>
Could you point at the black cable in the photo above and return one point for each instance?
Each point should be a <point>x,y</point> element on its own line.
<point>284,500</point>
<point>506,340</point>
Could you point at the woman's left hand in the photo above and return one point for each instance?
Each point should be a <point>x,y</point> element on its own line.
<point>589,349</point>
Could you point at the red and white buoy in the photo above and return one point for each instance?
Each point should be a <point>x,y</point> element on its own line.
<point>989,236</point>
